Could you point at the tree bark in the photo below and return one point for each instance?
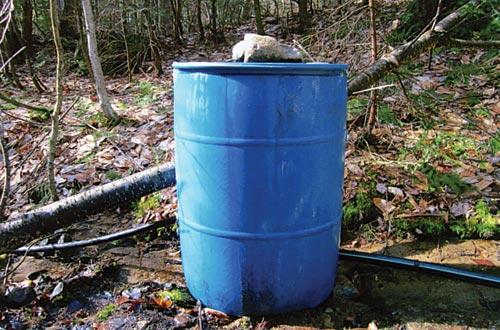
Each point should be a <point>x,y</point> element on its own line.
<point>54,118</point>
<point>83,42</point>
<point>372,113</point>
<point>27,36</point>
<point>303,16</point>
<point>96,63</point>
<point>482,44</point>
<point>258,17</point>
<point>409,50</point>
<point>6,172</point>
<point>20,229</point>
<point>153,41</point>
<point>199,21</point>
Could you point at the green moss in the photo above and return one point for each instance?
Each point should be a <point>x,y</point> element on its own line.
<point>482,223</point>
<point>39,115</point>
<point>355,107</point>
<point>387,116</point>
<point>113,175</point>
<point>441,181</point>
<point>106,312</point>
<point>355,210</point>
<point>427,226</point>
<point>7,106</point>
<point>178,296</point>
<point>83,106</point>
<point>146,204</point>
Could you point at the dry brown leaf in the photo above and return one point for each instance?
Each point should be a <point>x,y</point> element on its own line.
<point>383,205</point>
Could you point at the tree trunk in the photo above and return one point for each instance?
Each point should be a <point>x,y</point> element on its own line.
<point>153,41</point>
<point>303,16</point>
<point>83,43</point>
<point>372,113</point>
<point>125,41</point>
<point>96,63</point>
<point>199,21</point>
<point>22,228</point>
<point>404,53</point>
<point>27,36</point>
<point>258,17</point>
<point>54,20</point>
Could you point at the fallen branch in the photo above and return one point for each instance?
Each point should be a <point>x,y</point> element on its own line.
<point>12,101</point>
<point>21,228</point>
<point>97,240</point>
<point>484,44</point>
<point>431,38</point>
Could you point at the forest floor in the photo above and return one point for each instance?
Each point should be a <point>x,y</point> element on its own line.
<point>425,186</point>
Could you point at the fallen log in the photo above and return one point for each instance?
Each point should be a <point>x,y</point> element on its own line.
<point>431,38</point>
<point>22,228</point>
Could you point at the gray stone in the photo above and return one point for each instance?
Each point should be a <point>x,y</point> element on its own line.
<point>257,48</point>
<point>16,297</point>
<point>239,51</point>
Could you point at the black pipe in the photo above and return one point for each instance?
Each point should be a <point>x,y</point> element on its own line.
<point>422,267</point>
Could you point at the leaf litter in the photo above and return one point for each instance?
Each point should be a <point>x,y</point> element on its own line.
<point>435,166</point>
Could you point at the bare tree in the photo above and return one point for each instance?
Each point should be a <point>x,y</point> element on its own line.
<point>96,63</point>
<point>54,20</point>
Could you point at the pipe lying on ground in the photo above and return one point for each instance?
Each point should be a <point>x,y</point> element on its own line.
<point>370,258</point>
<point>422,267</point>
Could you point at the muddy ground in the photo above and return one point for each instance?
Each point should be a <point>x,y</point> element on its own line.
<point>128,274</point>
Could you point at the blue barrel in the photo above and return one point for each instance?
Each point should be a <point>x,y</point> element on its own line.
<point>259,165</point>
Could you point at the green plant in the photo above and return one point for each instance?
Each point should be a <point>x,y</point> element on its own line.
<point>460,74</point>
<point>146,204</point>
<point>7,106</point>
<point>482,223</point>
<point>426,226</point>
<point>444,146</point>
<point>494,144</point>
<point>482,112</point>
<point>113,175</point>
<point>40,194</point>
<point>39,115</point>
<point>87,158</point>
<point>83,106</point>
<point>100,120</point>
<point>440,181</point>
<point>355,107</point>
<point>106,312</point>
<point>387,116</point>
<point>179,296</point>
<point>146,94</point>
<point>357,208</point>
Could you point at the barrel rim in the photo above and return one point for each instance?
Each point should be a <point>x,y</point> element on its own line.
<point>262,68</point>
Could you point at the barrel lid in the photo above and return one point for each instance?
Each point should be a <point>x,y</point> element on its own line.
<point>261,68</point>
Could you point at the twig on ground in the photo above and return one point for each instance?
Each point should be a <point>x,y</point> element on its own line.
<point>373,89</point>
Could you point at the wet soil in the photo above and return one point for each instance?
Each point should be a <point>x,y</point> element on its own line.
<point>364,295</point>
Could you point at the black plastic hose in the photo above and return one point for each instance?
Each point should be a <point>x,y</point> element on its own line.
<point>422,267</point>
